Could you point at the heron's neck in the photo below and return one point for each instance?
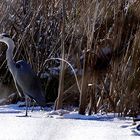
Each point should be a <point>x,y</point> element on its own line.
<point>9,52</point>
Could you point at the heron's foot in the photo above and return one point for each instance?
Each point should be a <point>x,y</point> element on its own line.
<point>24,115</point>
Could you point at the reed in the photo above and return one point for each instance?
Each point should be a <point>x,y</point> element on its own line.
<point>100,39</point>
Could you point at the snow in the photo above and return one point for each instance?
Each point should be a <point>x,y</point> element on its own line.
<point>63,125</point>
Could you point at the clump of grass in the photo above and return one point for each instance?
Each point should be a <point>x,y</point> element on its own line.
<point>99,38</point>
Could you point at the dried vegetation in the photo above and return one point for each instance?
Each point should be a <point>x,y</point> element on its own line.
<point>99,38</point>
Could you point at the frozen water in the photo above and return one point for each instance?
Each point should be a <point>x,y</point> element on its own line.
<point>49,125</point>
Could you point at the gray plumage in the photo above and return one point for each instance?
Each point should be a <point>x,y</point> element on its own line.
<point>26,81</point>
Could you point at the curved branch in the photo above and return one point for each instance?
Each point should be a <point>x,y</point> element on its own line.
<point>70,67</point>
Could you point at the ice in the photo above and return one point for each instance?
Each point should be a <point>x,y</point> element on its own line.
<point>68,126</point>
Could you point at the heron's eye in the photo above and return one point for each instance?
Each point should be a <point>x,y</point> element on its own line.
<point>5,35</point>
<point>18,66</point>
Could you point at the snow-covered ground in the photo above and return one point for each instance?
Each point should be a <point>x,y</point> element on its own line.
<point>49,125</point>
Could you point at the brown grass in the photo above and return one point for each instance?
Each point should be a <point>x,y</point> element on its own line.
<point>40,29</point>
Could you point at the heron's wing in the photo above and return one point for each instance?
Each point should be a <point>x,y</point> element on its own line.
<point>28,83</point>
<point>21,94</point>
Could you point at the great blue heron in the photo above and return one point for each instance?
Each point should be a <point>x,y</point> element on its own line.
<point>26,81</point>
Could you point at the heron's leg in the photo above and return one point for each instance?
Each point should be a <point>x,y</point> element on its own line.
<point>26,102</point>
<point>29,103</point>
<point>33,106</point>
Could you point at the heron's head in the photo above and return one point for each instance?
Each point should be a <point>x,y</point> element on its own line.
<point>4,37</point>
